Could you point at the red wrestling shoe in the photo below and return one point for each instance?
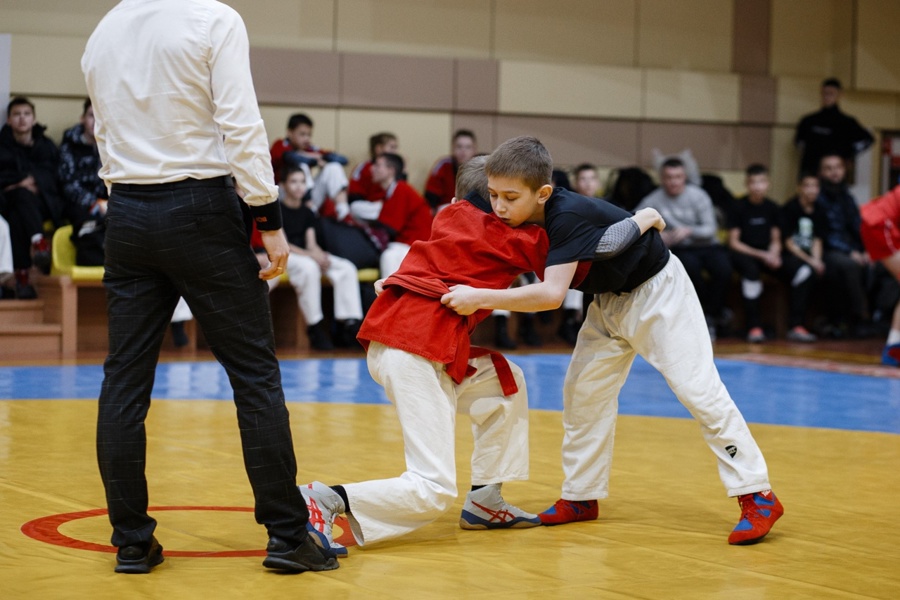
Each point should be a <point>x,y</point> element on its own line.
<point>759,511</point>
<point>569,511</point>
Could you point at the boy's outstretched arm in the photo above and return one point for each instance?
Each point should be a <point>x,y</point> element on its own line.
<point>535,297</point>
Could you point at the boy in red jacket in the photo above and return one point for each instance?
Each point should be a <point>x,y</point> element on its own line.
<point>880,233</point>
<point>420,351</point>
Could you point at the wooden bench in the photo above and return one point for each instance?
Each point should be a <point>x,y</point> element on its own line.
<point>74,297</point>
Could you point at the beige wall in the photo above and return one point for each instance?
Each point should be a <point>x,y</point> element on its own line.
<point>601,80</point>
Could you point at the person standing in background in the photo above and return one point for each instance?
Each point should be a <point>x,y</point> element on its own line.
<point>829,131</point>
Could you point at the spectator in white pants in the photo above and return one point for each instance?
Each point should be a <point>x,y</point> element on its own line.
<point>307,263</point>
<point>6,262</point>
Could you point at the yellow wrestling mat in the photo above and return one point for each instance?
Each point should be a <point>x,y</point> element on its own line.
<point>661,534</point>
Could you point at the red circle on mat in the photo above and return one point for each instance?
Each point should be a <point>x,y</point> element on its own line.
<point>46,529</point>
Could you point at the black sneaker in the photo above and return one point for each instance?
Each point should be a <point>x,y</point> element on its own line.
<point>501,335</point>
<point>25,291</point>
<point>347,336</point>
<point>527,332</point>
<point>139,559</point>
<point>318,337</point>
<point>179,335</point>
<point>307,556</point>
<point>568,330</point>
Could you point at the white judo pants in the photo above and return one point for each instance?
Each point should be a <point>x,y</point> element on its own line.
<point>182,312</point>
<point>6,261</point>
<point>330,181</point>
<point>662,321</point>
<point>306,278</point>
<point>391,258</point>
<point>574,300</point>
<point>427,401</point>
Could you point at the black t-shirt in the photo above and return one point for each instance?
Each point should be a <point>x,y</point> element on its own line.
<point>755,221</point>
<point>796,224</point>
<point>826,131</point>
<point>295,222</point>
<point>575,224</point>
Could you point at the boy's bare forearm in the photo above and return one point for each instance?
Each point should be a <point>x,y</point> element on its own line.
<point>545,295</point>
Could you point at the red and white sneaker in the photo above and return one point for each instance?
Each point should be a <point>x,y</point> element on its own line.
<point>323,505</point>
<point>570,511</point>
<point>759,511</point>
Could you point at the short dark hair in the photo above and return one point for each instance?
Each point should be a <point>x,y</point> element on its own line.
<point>672,163</point>
<point>380,139</point>
<point>290,168</point>
<point>471,178</point>
<point>87,105</point>
<point>464,133</point>
<point>297,120</point>
<point>524,158</point>
<point>756,169</point>
<point>19,101</point>
<point>832,82</point>
<point>806,175</point>
<point>583,167</point>
<point>394,161</point>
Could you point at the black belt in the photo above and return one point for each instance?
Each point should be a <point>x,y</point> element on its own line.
<point>213,182</point>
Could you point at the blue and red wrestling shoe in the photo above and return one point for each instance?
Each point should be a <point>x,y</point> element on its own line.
<point>569,511</point>
<point>759,511</point>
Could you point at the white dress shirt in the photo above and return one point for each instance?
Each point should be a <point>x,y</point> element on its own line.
<point>173,97</point>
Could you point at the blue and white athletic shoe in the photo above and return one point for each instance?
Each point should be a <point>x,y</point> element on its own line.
<point>485,508</point>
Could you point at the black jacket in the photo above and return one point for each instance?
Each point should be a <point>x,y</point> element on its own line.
<point>39,160</point>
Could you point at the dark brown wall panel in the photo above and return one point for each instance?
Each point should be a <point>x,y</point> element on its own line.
<point>283,76</point>
<point>573,141</point>
<point>758,99</point>
<point>750,42</point>
<point>402,82</point>
<point>754,146</point>
<point>476,85</point>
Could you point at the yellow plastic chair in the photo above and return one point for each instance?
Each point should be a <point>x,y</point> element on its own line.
<point>63,258</point>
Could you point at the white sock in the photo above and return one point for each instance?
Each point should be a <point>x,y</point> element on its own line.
<point>893,337</point>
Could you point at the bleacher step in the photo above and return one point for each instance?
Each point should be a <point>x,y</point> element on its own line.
<point>19,312</point>
<point>30,340</point>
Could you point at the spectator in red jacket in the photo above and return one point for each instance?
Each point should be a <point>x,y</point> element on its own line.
<point>403,212</point>
<point>441,184</point>
<point>361,185</point>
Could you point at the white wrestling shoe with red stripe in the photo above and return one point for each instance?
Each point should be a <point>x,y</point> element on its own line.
<point>323,504</point>
<point>485,508</point>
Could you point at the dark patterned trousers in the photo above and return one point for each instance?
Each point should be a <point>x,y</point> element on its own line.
<point>188,239</point>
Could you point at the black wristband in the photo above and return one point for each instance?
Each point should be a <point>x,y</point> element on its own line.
<point>267,216</point>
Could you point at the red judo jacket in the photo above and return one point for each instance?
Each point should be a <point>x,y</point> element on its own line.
<point>467,246</point>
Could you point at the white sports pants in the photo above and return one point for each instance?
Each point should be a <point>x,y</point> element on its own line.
<point>427,401</point>
<point>306,278</point>
<point>6,261</point>
<point>391,258</point>
<point>328,183</point>
<point>662,321</point>
<point>573,301</point>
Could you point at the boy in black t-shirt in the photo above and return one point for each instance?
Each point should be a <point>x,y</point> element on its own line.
<point>754,237</point>
<point>646,305</point>
<point>307,263</point>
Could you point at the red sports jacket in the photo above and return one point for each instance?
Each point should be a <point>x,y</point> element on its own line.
<point>467,246</point>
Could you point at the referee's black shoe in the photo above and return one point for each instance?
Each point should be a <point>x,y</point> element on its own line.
<point>139,559</point>
<point>307,556</point>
